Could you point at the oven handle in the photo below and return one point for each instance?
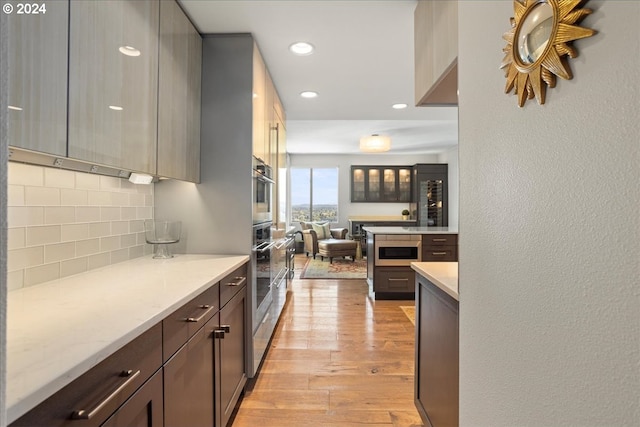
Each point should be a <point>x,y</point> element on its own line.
<point>260,176</point>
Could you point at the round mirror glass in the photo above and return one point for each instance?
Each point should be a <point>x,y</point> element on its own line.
<point>534,33</point>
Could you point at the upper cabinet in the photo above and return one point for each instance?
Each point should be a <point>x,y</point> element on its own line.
<point>436,52</point>
<point>260,125</point>
<point>113,83</point>
<point>381,184</point>
<point>37,79</point>
<point>179,87</point>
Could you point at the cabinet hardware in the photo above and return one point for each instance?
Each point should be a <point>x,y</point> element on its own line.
<point>219,334</point>
<point>238,281</point>
<point>391,279</point>
<point>438,253</point>
<point>226,328</point>
<point>438,240</point>
<point>82,414</point>
<point>207,309</point>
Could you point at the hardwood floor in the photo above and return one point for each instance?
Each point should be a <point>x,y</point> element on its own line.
<point>338,358</point>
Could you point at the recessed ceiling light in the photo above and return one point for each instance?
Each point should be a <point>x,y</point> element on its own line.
<point>115,107</point>
<point>399,106</point>
<point>309,94</point>
<point>13,107</point>
<point>301,48</point>
<point>129,51</point>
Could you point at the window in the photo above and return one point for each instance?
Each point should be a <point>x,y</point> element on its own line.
<point>314,194</point>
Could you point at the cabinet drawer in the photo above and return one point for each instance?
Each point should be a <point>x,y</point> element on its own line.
<point>440,253</point>
<point>180,325</point>
<point>232,283</point>
<point>392,279</point>
<point>103,384</point>
<point>439,240</point>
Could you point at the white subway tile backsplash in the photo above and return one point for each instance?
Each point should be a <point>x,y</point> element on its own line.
<point>109,243</point>
<point>87,247</point>
<point>21,216</point>
<point>15,280</point>
<point>23,174</point>
<point>42,273</point>
<point>73,232</point>
<point>110,213</point>
<point>43,234</point>
<point>73,266</point>
<point>109,183</point>
<point>19,259</point>
<point>62,223</point>
<point>119,255</point>
<point>87,181</point>
<point>41,196</point>
<point>59,252</point>
<point>128,240</point>
<point>99,198</point>
<point>58,178</point>
<point>99,229</point>
<point>59,215</point>
<point>99,260</point>
<point>87,214</point>
<point>70,197</point>
<point>16,238</point>
<point>15,195</point>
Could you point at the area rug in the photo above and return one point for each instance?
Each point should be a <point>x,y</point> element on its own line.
<point>410,311</point>
<point>338,269</point>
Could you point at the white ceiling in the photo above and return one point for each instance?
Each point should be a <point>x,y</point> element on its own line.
<point>363,63</point>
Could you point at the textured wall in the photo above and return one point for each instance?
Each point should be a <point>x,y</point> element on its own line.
<point>62,222</point>
<point>550,230</point>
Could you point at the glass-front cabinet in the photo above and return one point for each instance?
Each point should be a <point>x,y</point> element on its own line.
<point>430,205</point>
<point>380,184</point>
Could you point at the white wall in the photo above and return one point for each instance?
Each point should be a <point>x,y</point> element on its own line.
<point>344,162</point>
<point>4,82</point>
<point>550,230</point>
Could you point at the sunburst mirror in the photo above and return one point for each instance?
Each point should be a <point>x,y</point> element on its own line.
<point>538,44</point>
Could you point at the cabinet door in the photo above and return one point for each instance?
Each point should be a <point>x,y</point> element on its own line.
<point>404,185</point>
<point>231,373</point>
<point>259,102</point>
<point>390,184</point>
<point>37,79</point>
<point>113,83</point>
<point>143,409</point>
<point>189,381</point>
<point>180,64</point>
<point>358,193</point>
<point>373,184</point>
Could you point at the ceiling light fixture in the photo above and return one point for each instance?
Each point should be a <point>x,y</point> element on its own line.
<point>375,143</point>
<point>309,94</point>
<point>129,51</point>
<point>301,48</point>
<point>399,106</point>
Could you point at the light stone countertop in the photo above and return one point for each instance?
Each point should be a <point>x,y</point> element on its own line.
<point>442,274</point>
<point>411,230</point>
<point>58,330</point>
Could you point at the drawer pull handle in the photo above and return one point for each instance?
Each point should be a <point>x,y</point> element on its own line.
<point>438,240</point>
<point>219,334</point>
<point>240,280</point>
<point>391,279</point>
<point>438,253</point>
<point>207,309</point>
<point>226,328</point>
<point>82,414</point>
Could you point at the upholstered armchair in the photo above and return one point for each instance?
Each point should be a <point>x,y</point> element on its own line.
<point>313,232</point>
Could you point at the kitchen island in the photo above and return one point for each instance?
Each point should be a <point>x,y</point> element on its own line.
<point>391,250</point>
<point>59,330</point>
<point>436,361</point>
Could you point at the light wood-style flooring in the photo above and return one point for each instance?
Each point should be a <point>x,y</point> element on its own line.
<point>338,358</point>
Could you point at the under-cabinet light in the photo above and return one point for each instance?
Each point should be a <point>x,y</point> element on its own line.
<point>140,178</point>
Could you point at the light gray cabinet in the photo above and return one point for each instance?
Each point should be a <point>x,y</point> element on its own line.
<point>113,83</point>
<point>180,62</point>
<point>37,74</point>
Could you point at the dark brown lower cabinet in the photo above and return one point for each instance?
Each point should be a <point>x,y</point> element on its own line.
<point>230,370</point>
<point>436,370</point>
<point>189,380</point>
<point>143,409</point>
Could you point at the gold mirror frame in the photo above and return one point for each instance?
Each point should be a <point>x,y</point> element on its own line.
<point>529,80</point>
